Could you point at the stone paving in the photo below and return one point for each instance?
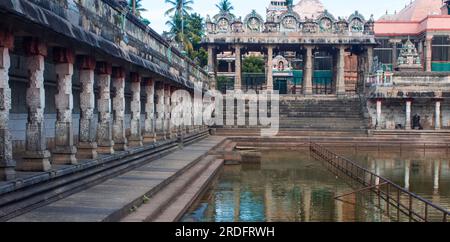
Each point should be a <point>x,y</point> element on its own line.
<point>102,201</point>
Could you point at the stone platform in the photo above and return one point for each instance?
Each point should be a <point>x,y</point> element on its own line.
<point>116,197</point>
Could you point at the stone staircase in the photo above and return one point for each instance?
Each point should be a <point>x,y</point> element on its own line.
<point>322,114</point>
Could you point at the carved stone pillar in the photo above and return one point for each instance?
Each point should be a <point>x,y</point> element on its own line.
<point>340,84</point>
<point>429,53</point>
<point>118,107</point>
<point>408,114</point>
<point>36,156</point>
<point>369,59</point>
<point>87,147</point>
<point>7,164</point>
<point>167,108</point>
<point>269,68</point>
<point>238,71</point>
<point>160,111</point>
<point>211,60</point>
<point>149,126</point>
<point>378,124</point>
<point>307,80</point>
<point>65,150</point>
<point>175,116</point>
<point>437,115</point>
<point>104,128</point>
<point>135,138</point>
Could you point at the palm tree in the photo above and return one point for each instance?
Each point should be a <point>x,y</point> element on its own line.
<point>177,32</point>
<point>225,6</point>
<point>139,8</point>
<point>180,7</point>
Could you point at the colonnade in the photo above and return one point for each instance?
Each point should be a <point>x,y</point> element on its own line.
<point>106,136</point>
<point>308,51</point>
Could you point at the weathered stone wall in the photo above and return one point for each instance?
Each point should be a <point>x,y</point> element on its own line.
<point>393,112</point>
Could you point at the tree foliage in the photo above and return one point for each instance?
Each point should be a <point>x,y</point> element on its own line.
<point>253,64</point>
<point>225,6</point>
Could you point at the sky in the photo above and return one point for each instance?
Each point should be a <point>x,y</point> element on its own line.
<point>339,8</point>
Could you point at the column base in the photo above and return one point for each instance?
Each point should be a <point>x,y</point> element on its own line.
<point>120,146</point>
<point>64,155</point>
<point>135,142</point>
<point>87,151</point>
<point>7,173</point>
<point>108,150</point>
<point>160,136</point>
<point>149,138</point>
<point>35,161</point>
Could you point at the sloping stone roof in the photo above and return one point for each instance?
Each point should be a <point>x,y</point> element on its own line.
<point>416,11</point>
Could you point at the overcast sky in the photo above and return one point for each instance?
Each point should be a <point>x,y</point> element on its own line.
<point>343,8</point>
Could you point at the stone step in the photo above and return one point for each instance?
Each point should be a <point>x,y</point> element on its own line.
<point>170,203</point>
<point>115,197</point>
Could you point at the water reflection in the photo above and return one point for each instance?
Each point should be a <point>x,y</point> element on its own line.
<point>423,172</point>
<point>291,186</point>
<point>287,186</point>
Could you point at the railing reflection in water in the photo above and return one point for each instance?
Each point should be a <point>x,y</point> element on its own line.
<point>396,201</point>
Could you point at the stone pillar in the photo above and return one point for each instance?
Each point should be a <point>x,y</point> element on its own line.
<point>211,60</point>
<point>269,68</point>
<point>167,108</point>
<point>87,147</point>
<point>177,130</point>
<point>160,110</point>
<point>104,128</point>
<point>149,125</point>
<point>7,164</point>
<point>238,71</point>
<point>135,135</point>
<point>36,156</point>
<point>437,115</point>
<point>308,73</point>
<point>394,43</point>
<point>429,53</point>
<point>118,107</point>
<point>65,150</point>
<point>369,60</point>
<point>230,69</point>
<point>340,84</point>
<point>420,50</point>
<point>407,174</point>
<point>378,124</point>
<point>408,115</point>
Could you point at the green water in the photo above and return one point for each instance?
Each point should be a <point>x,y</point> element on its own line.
<point>291,186</point>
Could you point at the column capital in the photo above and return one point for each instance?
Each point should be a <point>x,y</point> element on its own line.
<point>6,39</point>
<point>395,41</point>
<point>135,77</point>
<point>63,56</point>
<point>87,62</point>
<point>33,46</point>
<point>104,68</point>
<point>118,72</point>
<point>149,81</point>
<point>309,47</point>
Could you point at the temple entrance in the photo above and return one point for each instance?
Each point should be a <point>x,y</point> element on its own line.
<point>281,85</point>
<point>323,74</point>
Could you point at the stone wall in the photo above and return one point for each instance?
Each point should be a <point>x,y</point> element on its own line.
<point>393,113</point>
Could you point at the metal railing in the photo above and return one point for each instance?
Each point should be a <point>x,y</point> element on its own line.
<point>396,199</point>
